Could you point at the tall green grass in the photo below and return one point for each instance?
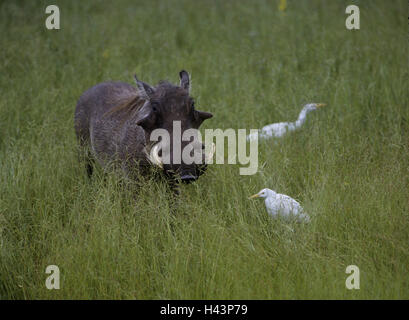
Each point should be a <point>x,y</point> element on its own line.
<point>251,65</point>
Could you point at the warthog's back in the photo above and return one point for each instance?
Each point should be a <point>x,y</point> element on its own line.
<point>109,134</point>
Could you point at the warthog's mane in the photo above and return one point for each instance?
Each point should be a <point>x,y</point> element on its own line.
<point>128,108</point>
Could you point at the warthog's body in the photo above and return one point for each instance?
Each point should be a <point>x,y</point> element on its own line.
<point>114,120</point>
<point>110,136</point>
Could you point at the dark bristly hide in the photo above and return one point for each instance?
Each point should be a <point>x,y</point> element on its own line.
<point>114,120</point>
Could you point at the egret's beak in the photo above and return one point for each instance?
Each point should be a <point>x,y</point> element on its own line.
<point>254,196</point>
<point>320,105</point>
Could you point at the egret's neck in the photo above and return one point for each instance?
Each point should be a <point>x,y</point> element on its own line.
<point>301,118</point>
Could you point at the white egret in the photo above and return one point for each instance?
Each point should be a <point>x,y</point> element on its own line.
<point>281,205</point>
<point>277,130</point>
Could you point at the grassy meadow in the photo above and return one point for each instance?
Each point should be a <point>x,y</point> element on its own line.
<point>251,65</point>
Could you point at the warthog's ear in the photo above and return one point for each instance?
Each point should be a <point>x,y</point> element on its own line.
<point>184,80</point>
<point>145,90</point>
<point>202,116</point>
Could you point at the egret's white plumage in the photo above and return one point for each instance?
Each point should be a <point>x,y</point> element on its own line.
<point>282,205</point>
<point>277,130</point>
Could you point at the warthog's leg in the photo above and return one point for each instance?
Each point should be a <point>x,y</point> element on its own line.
<point>85,156</point>
<point>89,165</point>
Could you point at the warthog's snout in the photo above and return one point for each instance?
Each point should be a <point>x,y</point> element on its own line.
<point>182,171</point>
<point>188,178</point>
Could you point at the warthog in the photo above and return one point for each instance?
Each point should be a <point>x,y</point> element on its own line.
<point>114,121</point>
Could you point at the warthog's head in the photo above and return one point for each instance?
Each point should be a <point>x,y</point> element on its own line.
<point>166,109</point>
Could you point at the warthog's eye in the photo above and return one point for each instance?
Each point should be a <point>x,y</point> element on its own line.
<point>192,106</point>
<point>193,111</point>
<point>155,107</point>
<point>196,115</point>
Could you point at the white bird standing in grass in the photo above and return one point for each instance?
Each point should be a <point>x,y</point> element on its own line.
<point>280,204</point>
<point>277,130</point>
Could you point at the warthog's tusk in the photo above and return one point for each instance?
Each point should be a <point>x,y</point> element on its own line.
<point>209,155</point>
<point>154,156</point>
